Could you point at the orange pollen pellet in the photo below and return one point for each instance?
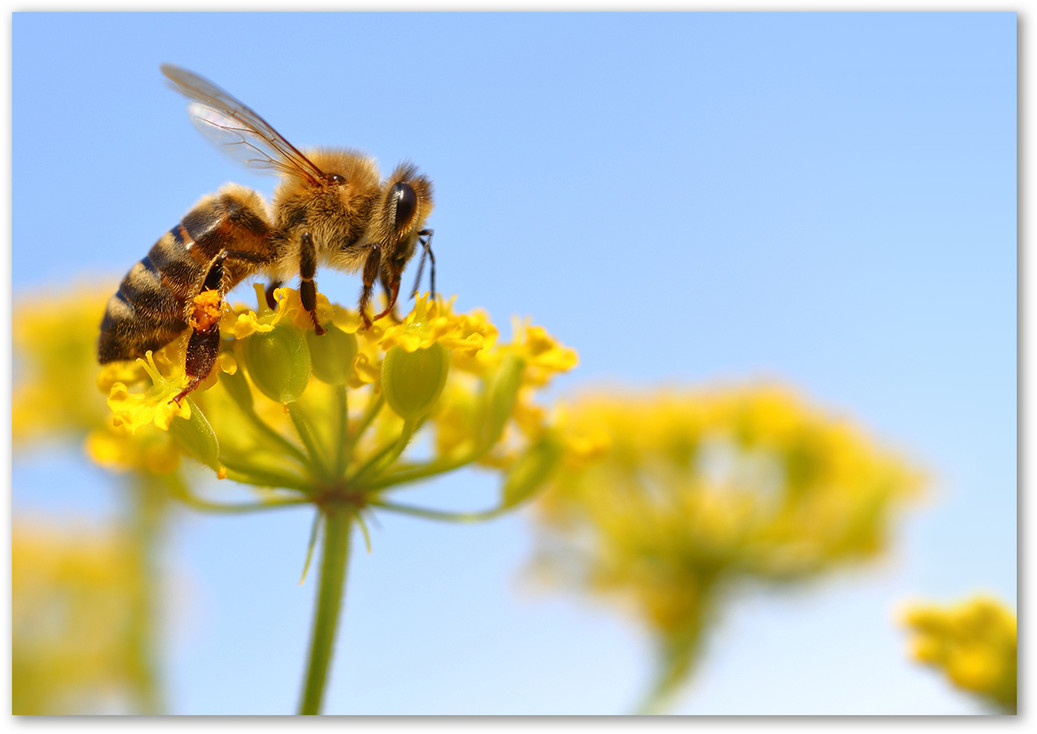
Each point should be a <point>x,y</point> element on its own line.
<point>206,310</point>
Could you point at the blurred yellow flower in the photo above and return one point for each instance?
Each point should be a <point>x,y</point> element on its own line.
<point>55,389</point>
<point>664,499</point>
<point>55,364</point>
<point>74,596</point>
<point>84,599</point>
<point>973,642</point>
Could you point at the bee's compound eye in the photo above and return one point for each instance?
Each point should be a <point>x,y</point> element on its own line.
<point>334,178</point>
<point>404,203</point>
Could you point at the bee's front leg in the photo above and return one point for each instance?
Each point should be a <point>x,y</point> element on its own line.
<point>385,279</point>
<point>425,240</point>
<point>307,286</point>
<point>371,267</point>
<point>204,345</point>
<point>391,282</point>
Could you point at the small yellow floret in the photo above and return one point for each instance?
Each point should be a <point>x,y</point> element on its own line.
<point>434,322</point>
<point>545,356</point>
<point>155,405</point>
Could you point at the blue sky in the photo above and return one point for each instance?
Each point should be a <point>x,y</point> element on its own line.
<point>828,200</point>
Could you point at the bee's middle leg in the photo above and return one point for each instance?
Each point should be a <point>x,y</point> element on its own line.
<point>307,285</point>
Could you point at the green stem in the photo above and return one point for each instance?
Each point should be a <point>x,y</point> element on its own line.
<point>205,506</point>
<point>386,455</point>
<point>432,469</point>
<point>179,490</point>
<point>148,499</point>
<point>309,440</point>
<point>269,432</point>
<point>437,514</point>
<point>370,412</point>
<point>245,473</point>
<point>338,522</point>
<point>678,654</point>
<point>339,451</point>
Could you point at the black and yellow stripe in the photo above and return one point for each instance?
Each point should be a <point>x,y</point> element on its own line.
<point>150,308</point>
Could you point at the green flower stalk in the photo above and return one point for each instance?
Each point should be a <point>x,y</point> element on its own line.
<point>333,420</point>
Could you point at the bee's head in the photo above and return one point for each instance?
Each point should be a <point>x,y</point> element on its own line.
<point>400,214</point>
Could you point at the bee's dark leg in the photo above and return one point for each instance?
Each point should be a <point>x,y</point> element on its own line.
<point>425,238</point>
<point>371,267</point>
<point>271,287</point>
<point>392,291</point>
<point>204,344</point>
<point>383,278</point>
<point>307,286</point>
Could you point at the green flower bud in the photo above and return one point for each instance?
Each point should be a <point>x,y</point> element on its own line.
<point>196,437</point>
<point>413,381</point>
<point>278,362</point>
<point>531,471</point>
<point>500,397</point>
<point>332,354</point>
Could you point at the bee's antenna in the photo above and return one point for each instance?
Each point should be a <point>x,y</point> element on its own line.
<point>425,238</point>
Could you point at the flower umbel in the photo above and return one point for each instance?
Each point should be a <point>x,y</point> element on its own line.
<point>665,500</point>
<point>331,416</point>
<point>333,420</point>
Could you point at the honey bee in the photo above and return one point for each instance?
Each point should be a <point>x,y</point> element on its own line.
<point>330,208</point>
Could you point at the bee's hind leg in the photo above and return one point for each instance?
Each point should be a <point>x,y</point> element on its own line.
<point>204,345</point>
<point>307,285</point>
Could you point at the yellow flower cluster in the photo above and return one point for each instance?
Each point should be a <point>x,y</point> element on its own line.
<point>665,498</point>
<point>336,414</point>
<point>73,593</point>
<point>55,357</point>
<point>974,643</point>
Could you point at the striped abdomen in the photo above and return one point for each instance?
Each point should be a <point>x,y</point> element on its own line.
<point>150,308</point>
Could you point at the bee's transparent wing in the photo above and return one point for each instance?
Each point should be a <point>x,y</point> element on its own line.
<point>237,129</point>
<point>234,139</point>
